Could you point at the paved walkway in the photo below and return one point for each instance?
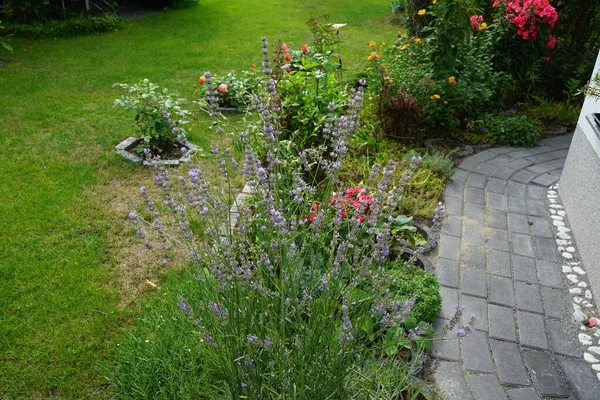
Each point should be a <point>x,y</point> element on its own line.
<point>498,257</point>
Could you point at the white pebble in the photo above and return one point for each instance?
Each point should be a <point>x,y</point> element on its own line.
<point>596,367</point>
<point>590,358</point>
<point>563,229</point>
<point>561,249</point>
<point>568,256</point>
<point>558,223</point>
<point>595,350</point>
<point>585,340</point>
<point>574,263</point>
<point>582,284</point>
<point>552,200</point>
<point>552,196</point>
<point>587,304</point>
<point>588,294</point>
<point>562,242</point>
<point>596,333</point>
<point>561,213</point>
<point>557,217</point>
<point>566,269</point>
<point>577,300</point>
<point>598,376</point>
<point>580,317</point>
<point>579,270</point>
<point>556,206</point>
<point>563,235</point>
<point>551,191</point>
<point>573,278</point>
<point>552,211</point>
<point>575,291</point>
<point>571,249</point>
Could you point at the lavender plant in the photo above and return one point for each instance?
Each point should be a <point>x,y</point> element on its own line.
<point>295,292</point>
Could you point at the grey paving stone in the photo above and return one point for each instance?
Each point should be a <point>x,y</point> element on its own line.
<point>449,301</point>
<point>524,269</point>
<point>540,159</point>
<point>559,141</point>
<point>541,226</point>
<point>486,387</point>
<point>446,347</point>
<point>541,168</point>
<point>546,249</point>
<point>502,323</point>
<point>498,239</point>
<point>474,212</point>
<point>498,262</point>
<point>524,176</point>
<point>545,375</point>
<point>477,180</point>
<point>520,163</point>
<point>501,160</point>
<point>536,207</point>
<point>536,192</point>
<point>581,378</point>
<point>449,247</point>
<point>473,256</point>
<point>518,223</point>
<point>553,301</point>
<point>501,291</point>
<point>473,234</point>
<point>477,307</point>
<point>496,201</point>
<point>561,341</point>
<point>522,245</point>
<point>558,163</point>
<point>496,185</point>
<point>453,205</point>
<point>546,179</point>
<point>455,189</point>
<point>501,150</point>
<point>487,168</point>
<point>517,205</point>
<point>474,282</point>
<point>507,358</point>
<point>476,353</point>
<point>532,331</point>
<point>496,219</point>
<point>447,272</point>
<point>452,226</point>
<point>515,189</point>
<point>474,195</point>
<point>460,176</point>
<point>523,394</point>
<point>451,381</point>
<point>503,172</point>
<point>528,297</point>
<point>550,274</point>
<point>472,162</point>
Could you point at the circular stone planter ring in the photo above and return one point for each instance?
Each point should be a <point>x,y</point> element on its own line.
<point>421,261</point>
<point>426,233</point>
<point>450,143</point>
<point>123,149</point>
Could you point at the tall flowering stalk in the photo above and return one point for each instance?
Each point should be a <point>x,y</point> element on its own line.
<point>295,293</point>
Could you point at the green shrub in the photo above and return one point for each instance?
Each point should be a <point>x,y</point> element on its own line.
<point>509,128</point>
<point>424,287</point>
<point>559,112</point>
<point>4,39</point>
<point>79,25</point>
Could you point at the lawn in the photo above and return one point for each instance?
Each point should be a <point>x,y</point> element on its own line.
<point>64,192</point>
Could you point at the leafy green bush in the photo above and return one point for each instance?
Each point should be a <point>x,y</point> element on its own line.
<point>233,91</point>
<point>79,25</point>
<point>424,287</point>
<point>509,128</point>
<point>158,115</point>
<point>562,113</point>
<point>4,39</point>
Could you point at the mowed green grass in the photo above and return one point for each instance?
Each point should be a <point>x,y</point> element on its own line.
<point>59,294</point>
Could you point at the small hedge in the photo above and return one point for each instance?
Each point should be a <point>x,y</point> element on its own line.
<point>75,26</point>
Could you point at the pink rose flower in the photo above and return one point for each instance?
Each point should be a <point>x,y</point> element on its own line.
<point>222,88</point>
<point>304,49</point>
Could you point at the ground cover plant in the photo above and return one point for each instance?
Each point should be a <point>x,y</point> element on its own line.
<point>66,256</point>
<point>301,291</point>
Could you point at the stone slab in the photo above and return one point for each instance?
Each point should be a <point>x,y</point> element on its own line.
<point>545,375</point>
<point>509,365</point>
<point>502,323</point>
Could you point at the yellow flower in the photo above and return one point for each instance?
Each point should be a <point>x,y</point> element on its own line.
<point>422,12</point>
<point>368,69</point>
<point>373,56</point>
<point>383,44</point>
<point>403,36</point>
<point>445,102</point>
<point>435,97</point>
<point>482,26</point>
<point>405,46</point>
<point>452,80</point>
<point>434,1</point>
<point>372,43</point>
<point>418,40</point>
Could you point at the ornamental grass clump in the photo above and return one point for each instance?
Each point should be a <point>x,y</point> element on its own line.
<point>297,291</point>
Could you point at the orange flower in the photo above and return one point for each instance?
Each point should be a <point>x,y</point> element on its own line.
<point>373,56</point>
<point>418,40</point>
<point>404,47</point>
<point>372,43</point>
<point>201,80</point>
<point>435,97</point>
<point>452,80</point>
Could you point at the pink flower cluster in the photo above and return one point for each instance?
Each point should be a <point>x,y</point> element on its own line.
<point>476,21</point>
<point>353,199</point>
<point>528,15</point>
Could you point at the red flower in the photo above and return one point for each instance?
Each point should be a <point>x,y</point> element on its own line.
<point>312,217</point>
<point>287,67</point>
<point>304,49</point>
<point>287,57</point>
<point>314,207</point>
<point>252,66</point>
<point>551,41</point>
<point>201,80</point>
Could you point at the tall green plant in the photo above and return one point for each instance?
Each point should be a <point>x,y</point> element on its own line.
<point>4,39</point>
